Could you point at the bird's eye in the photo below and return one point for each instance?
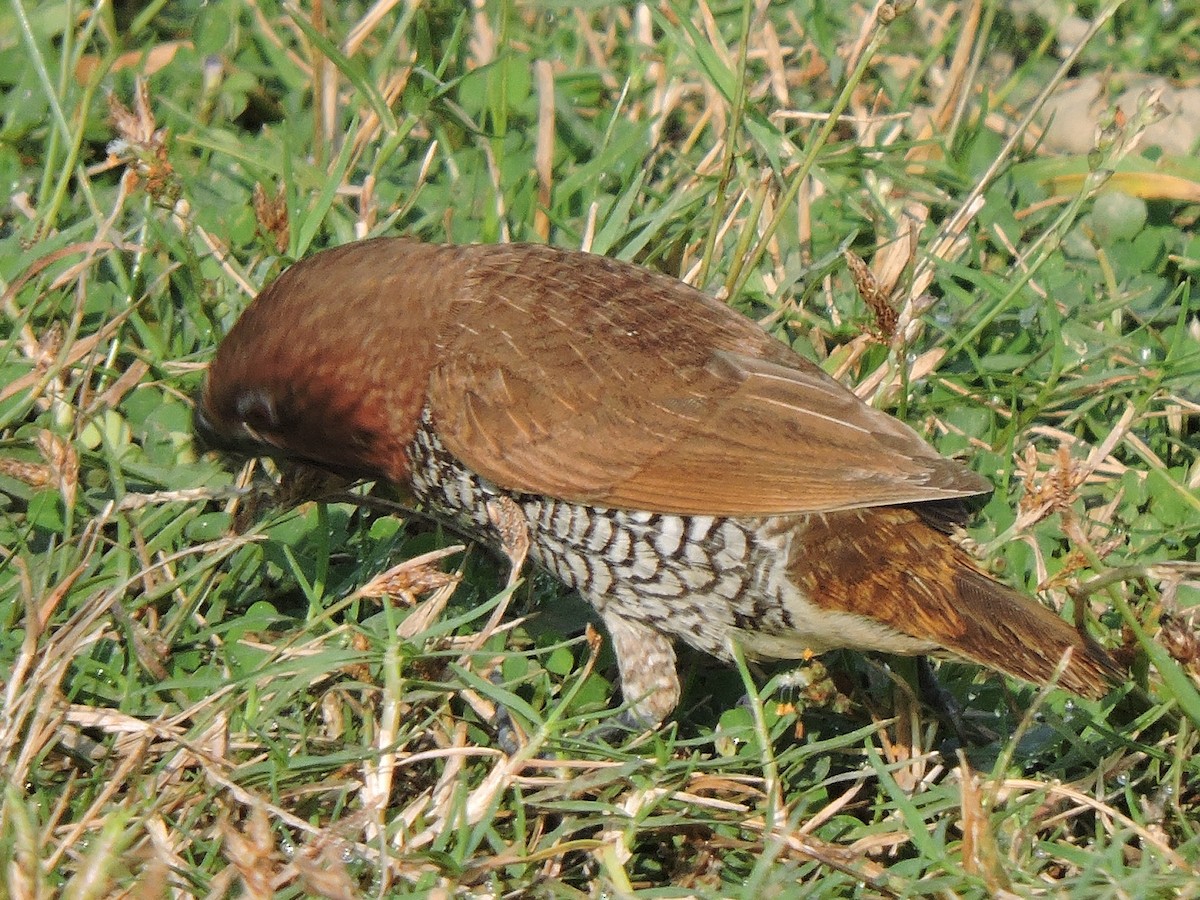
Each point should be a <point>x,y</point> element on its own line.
<point>256,408</point>
<point>254,414</point>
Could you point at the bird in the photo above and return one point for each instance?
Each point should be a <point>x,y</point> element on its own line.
<point>690,475</point>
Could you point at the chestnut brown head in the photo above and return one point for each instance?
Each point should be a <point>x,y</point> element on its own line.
<point>329,364</point>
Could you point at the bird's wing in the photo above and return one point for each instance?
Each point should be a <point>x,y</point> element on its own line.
<point>602,383</point>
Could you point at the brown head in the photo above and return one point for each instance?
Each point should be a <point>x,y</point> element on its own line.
<point>329,364</point>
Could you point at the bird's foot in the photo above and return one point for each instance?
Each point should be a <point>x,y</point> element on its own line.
<point>948,710</point>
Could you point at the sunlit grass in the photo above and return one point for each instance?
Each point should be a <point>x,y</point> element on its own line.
<point>204,694</point>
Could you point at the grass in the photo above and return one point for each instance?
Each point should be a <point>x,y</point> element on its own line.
<point>206,691</point>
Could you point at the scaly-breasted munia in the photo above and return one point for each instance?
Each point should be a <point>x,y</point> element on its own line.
<point>691,476</point>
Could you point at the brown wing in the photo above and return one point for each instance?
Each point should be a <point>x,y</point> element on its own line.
<point>602,383</point>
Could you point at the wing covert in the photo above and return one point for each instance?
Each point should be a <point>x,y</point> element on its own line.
<point>704,414</point>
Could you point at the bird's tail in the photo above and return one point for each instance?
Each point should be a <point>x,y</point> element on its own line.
<point>886,566</point>
<point>1017,635</point>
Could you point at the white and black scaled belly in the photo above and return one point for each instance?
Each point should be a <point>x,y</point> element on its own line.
<point>700,578</point>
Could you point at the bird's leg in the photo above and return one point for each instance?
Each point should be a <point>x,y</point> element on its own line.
<point>508,520</point>
<point>510,525</point>
<point>510,737</point>
<point>946,708</point>
<point>646,662</point>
